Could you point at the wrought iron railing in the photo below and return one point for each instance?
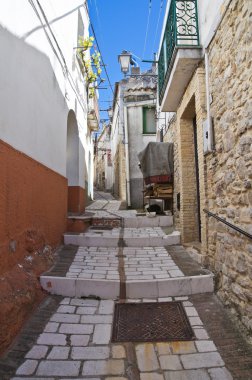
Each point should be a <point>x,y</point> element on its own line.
<point>181,31</point>
<point>238,229</point>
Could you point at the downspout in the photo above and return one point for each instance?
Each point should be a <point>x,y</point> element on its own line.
<point>126,142</point>
<point>209,119</point>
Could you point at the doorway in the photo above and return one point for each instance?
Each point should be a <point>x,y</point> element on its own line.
<point>189,214</point>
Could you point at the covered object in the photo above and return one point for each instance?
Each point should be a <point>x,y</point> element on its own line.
<point>156,162</point>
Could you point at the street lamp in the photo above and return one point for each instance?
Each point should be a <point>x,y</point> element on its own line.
<point>124,59</point>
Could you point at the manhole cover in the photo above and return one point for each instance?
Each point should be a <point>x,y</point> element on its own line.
<point>151,322</point>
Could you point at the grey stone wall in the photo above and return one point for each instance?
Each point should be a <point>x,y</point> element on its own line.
<point>230,167</point>
<point>136,192</point>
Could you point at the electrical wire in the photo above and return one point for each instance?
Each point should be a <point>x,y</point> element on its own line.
<point>63,65</point>
<point>102,60</point>
<point>98,19</point>
<point>98,47</point>
<point>147,28</point>
<point>52,33</point>
<point>101,56</point>
<point>159,15</point>
<point>58,47</point>
<point>47,35</point>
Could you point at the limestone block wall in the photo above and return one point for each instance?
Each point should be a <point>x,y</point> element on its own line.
<point>225,175</point>
<point>229,169</point>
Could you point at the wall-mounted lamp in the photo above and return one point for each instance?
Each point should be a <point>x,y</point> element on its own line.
<point>124,59</point>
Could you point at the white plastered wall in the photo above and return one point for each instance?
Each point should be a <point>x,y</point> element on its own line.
<point>38,94</point>
<point>137,139</point>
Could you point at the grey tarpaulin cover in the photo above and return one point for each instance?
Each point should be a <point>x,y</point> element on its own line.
<point>157,159</point>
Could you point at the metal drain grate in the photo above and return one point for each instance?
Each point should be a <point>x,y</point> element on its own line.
<point>151,322</point>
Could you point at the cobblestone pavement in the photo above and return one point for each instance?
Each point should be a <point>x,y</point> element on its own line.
<point>116,213</point>
<point>146,263</point>
<point>101,195</point>
<point>105,205</point>
<point>128,232</point>
<point>70,338</point>
<point>38,348</point>
<point>75,343</point>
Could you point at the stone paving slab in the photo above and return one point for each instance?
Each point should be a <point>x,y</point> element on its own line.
<point>69,338</point>
<point>132,237</point>
<point>219,335</point>
<point>224,331</point>
<point>139,263</point>
<point>96,357</point>
<point>102,204</point>
<point>148,272</point>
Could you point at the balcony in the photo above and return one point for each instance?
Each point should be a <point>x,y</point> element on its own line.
<point>180,53</point>
<point>93,117</point>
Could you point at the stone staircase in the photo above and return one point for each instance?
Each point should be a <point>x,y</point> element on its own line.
<point>129,237</point>
<point>137,259</point>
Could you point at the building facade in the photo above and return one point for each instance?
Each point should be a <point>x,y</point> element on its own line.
<point>103,162</point>
<point>205,81</point>
<point>46,123</point>
<point>133,127</point>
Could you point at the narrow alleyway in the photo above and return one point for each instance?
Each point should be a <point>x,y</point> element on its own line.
<point>127,259</point>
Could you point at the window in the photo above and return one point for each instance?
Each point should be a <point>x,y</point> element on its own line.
<point>149,122</point>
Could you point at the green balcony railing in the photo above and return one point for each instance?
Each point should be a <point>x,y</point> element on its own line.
<point>181,31</point>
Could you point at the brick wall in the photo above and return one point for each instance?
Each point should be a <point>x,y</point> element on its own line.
<point>181,133</point>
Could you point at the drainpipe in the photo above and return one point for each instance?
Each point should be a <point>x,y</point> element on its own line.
<point>126,142</point>
<point>209,119</point>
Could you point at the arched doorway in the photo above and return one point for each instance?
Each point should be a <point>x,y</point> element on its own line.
<point>75,191</point>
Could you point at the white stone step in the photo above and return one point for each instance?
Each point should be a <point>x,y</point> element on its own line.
<point>144,221</point>
<point>148,272</point>
<point>110,289</point>
<point>88,239</point>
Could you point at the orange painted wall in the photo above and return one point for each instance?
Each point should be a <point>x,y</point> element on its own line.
<point>33,206</point>
<point>76,199</point>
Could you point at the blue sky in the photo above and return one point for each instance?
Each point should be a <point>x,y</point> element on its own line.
<point>122,25</point>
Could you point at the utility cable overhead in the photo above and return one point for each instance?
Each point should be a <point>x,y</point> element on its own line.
<point>47,35</point>
<point>60,58</point>
<point>159,15</point>
<point>98,19</point>
<point>52,33</point>
<point>105,69</point>
<point>147,28</point>
<point>98,47</point>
